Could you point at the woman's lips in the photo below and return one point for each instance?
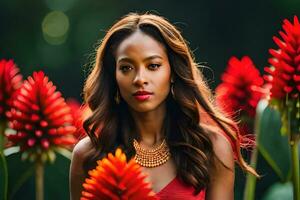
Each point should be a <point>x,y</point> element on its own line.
<point>142,97</point>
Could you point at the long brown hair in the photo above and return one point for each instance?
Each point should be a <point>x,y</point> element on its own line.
<point>110,124</point>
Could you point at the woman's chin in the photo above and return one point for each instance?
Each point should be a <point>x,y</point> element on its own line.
<point>143,108</point>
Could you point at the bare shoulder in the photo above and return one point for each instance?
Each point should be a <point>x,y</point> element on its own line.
<point>82,146</point>
<point>77,174</point>
<point>221,145</point>
<point>222,175</point>
<point>79,153</point>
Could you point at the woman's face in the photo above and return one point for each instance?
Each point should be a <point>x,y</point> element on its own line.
<point>143,72</point>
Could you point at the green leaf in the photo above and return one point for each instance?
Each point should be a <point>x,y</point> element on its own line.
<point>11,150</point>
<point>4,177</point>
<point>64,152</point>
<point>272,144</point>
<point>279,191</point>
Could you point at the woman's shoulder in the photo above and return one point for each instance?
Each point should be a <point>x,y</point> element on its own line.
<point>222,145</point>
<point>81,150</point>
<point>77,172</point>
<point>85,144</point>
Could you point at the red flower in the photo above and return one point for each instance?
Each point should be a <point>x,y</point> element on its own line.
<point>40,117</point>
<point>284,77</point>
<point>114,178</point>
<point>79,113</point>
<point>10,81</point>
<point>241,88</point>
<point>284,72</point>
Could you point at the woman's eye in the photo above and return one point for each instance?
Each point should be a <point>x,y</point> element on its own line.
<point>154,66</point>
<point>125,68</point>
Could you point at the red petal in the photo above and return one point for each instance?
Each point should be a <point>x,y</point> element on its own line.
<point>45,143</point>
<point>288,89</point>
<point>31,142</point>
<point>296,78</point>
<point>287,67</point>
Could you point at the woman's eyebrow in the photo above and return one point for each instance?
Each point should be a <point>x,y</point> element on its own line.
<point>152,57</point>
<point>127,59</point>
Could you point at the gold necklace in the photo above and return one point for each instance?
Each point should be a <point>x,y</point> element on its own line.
<point>151,158</point>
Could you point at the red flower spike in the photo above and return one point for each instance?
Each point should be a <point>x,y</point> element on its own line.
<point>241,88</point>
<point>10,81</point>
<point>284,77</point>
<point>39,128</point>
<point>286,62</point>
<point>79,113</point>
<point>114,178</point>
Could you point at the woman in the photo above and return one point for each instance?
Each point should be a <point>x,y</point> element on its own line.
<point>148,97</point>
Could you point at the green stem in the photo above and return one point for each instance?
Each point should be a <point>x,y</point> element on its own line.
<point>295,169</point>
<point>295,157</point>
<point>249,193</point>
<point>39,181</point>
<point>2,137</point>
<point>2,143</point>
<point>5,175</point>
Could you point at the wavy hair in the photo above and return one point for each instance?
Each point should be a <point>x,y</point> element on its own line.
<point>110,125</point>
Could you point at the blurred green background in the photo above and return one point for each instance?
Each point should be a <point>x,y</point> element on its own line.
<point>60,38</point>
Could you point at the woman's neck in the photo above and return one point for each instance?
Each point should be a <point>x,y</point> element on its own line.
<point>149,126</point>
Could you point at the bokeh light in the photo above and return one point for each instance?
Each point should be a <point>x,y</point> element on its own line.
<point>55,27</point>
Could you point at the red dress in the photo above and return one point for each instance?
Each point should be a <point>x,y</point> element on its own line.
<point>177,190</point>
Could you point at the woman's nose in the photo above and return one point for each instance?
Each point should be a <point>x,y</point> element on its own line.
<point>140,78</point>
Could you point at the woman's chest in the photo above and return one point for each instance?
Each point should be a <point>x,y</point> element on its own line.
<point>160,176</point>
